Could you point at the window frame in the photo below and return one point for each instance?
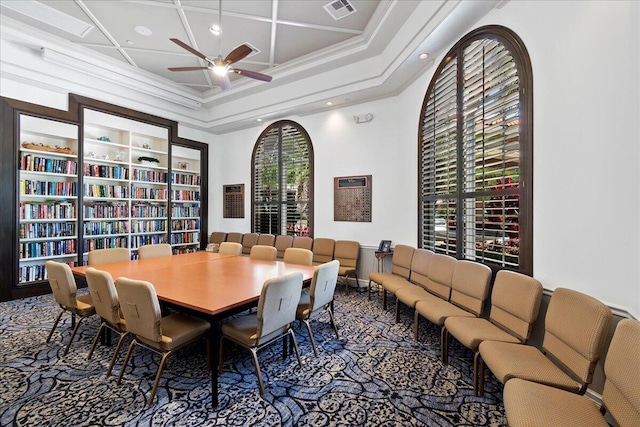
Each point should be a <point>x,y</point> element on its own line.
<point>512,42</point>
<point>280,125</point>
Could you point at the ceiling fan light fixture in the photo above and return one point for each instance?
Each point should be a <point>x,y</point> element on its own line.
<point>215,29</point>
<point>220,70</point>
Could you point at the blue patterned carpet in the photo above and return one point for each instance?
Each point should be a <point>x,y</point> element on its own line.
<point>374,375</point>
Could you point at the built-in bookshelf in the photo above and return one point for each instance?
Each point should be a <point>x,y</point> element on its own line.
<point>186,183</point>
<point>48,196</point>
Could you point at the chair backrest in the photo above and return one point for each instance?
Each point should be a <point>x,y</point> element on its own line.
<point>401,260</point>
<point>470,286</point>
<point>103,294</point>
<point>440,275</point>
<point>264,252</point>
<point>234,237</point>
<point>323,285</point>
<point>303,242</point>
<point>419,269</point>
<point>277,305</point>
<point>575,328</point>
<point>621,394</point>
<point>62,283</point>
<point>266,239</point>
<point>154,251</point>
<point>515,303</point>
<point>323,250</point>
<point>249,240</point>
<point>347,253</point>
<point>140,307</point>
<point>283,242</point>
<point>230,248</point>
<point>218,237</point>
<point>298,256</point>
<point>105,256</point>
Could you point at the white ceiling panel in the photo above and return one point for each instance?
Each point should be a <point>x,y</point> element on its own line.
<point>294,42</point>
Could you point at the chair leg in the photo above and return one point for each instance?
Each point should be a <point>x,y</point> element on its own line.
<point>254,357</point>
<point>126,360</point>
<point>295,346</point>
<point>163,362</point>
<point>478,375</point>
<point>397,310</point>
<point>313,342</point>
<point>220,355</point>
<point>73,334</point>
<point>369,291</point>
<point>333,322</point>
<point>444,345</point>
<point>115,353</point>
<point>95,340</point>
<point>384,299</point>
<point>55,324</point>
<point>416,324</point>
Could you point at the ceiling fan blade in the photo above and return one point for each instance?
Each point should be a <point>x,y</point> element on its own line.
<point>238,53</point>
<point>253,75</point>
<point>222,81</point>
<point>187,68</point>
<point>190,49</point>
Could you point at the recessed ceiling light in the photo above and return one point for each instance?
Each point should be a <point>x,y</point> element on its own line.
<point>258,120</point>
<point>424,56</point>
<point>129,41</point>
<point>215,29</point>
<point>143,30</point>
<point>329,103</point>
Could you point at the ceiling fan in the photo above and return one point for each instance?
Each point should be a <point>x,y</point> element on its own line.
<point>219,68</point>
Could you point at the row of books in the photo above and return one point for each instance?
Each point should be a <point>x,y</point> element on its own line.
<point>182,211</point>
<point>185,250</point>
<point>95,228</point>
<point>105,242</point>
<point>147,226</point>
<point>149,176</point>
<point>33,163</point>
<point>47,210</point>
<point>149,193</point>
<point>103,171</point>
<point>186,179</point>
<point>185,224</point>
<point>185,238</point>
<point>151,239</point>
<point>106,210</point>
<point>48,188</point>
<point>47,229</point>
<point>112,191</point>
<point>143,210</point>
<point>44,249</point>
<point>186,195</point>
<point>32,273</point>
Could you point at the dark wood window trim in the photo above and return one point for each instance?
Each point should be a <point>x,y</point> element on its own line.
<point>518,51</point>
<point>280,229</point>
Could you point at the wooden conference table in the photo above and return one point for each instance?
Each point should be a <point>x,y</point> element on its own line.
<point>209,285</point>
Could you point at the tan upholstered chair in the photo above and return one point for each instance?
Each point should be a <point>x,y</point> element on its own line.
<point>323,250</point>
<point>432,274</point>
<point>162,335</point>
<point>302,242</point>
<point>276,313</point>
<point>218,237</point>
<point>469,291</point>
<point>319,298</point>
<point>105,299</point>
<point>64,289</point>
<point>576,326</point>
<point>266,239</point>
<point>347,253</point>
<point>234,237</point>
<point>298,256</point>
<point>105,256</point>
<point>249,240</point>
<point>230,248</point>
<point>515,302</point>
<point>529,404</point>
<point>154,251</point>
<point>400,270</point>
<point>282,243</point>
<point>267,253</point>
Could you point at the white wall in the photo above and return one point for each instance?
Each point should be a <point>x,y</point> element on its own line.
<point>586,150</point>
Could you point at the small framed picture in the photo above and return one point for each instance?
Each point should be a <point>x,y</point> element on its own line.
<point>183,165</point>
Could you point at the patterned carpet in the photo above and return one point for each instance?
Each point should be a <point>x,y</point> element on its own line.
<point>374,375</point>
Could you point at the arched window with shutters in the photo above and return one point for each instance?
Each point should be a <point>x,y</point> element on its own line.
<point>476,157</point>
<point>282,187</point>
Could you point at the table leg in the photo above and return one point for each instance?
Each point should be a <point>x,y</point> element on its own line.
<point>214,350</point>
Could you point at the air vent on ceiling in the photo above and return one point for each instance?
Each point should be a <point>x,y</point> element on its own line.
<point>254,50</point>
<point>338,9</point>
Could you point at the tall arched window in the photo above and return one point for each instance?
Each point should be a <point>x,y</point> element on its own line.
<point>282,188</point>
<point>476,157</point>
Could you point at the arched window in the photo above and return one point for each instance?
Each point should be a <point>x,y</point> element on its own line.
<point>476,157</point>
<point>282,188</point>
